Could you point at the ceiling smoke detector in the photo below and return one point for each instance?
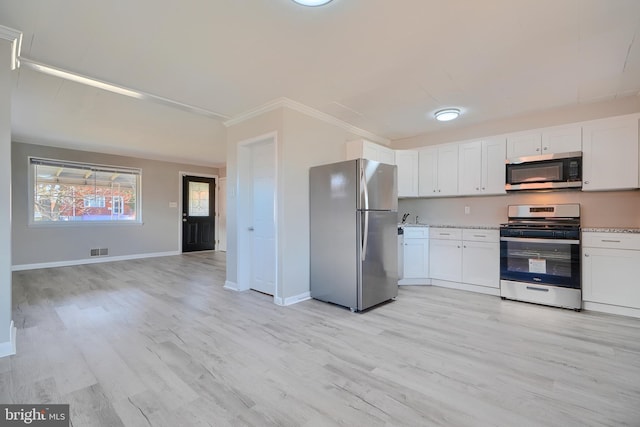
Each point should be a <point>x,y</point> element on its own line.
<point>312,2</point>
<point>447,114</point>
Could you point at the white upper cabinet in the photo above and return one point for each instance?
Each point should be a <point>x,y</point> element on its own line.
<point>407,162</point>
<point>363,149</point>
<point>610,154</point>
<point>482,167</point>
<point>438,171</point>
<point>564,139</point>
<point>524,144</point>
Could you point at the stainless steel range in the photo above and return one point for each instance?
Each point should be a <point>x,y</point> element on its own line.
<point>540,255</point>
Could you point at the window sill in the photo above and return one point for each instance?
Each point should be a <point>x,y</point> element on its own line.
<point>68,224</point>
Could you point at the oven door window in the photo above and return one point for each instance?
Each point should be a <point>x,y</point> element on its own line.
<point>553,263</point>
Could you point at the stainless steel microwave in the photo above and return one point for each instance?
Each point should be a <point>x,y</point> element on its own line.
<point>546,172</point>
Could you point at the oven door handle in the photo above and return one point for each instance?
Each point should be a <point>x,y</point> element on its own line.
<point>530,240</point>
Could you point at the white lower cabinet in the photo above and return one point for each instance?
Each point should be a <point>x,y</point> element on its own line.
<point>481,263</point>
<point>610,272</point>
<point>415,256</point>
<point>445,262</point>
<point>466,259</point>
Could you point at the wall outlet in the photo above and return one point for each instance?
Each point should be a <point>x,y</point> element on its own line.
<point>467,210</point>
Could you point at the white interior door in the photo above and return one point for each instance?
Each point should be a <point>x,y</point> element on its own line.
<point>222,214</point>
<point>262,219</point>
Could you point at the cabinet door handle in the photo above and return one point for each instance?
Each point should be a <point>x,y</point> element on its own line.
<point>586,182</point>
<point>538,149</point>
<point>545,148</point>
<point>445,234</point>
<point>586,255</point>
<point>610,241</point>
<point>464,246</point>
<point>479,235</point>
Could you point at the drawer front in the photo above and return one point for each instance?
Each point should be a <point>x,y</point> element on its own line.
<point>611,240</point>
<point>474,235</point>
<point>416,232</point>
<point>445,233</point>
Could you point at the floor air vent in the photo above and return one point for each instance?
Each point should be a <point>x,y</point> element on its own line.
<point>99,252</point>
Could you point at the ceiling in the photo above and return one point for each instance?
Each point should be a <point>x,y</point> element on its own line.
<point>383,66</point>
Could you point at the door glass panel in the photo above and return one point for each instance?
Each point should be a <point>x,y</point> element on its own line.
<point>198,198</point>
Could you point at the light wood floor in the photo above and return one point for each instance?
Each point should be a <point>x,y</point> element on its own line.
<point>159,342</point>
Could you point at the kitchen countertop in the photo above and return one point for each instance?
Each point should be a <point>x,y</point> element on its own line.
<point>610,230</point>
<point>474,227</point>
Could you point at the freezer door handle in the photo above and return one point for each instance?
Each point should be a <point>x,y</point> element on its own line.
<point>365,235</point>
<point>363,185</point>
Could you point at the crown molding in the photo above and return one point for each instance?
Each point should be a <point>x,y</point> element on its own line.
<point>15,38</point>
<point>309,111</point>
<point>115,88</point>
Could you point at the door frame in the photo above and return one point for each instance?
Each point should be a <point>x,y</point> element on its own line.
<point>182,174</point>
<point>243,209</point>
<point>222,182</point>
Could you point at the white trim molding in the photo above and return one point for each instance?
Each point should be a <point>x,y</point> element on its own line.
<point>232,286</point>
<point>97,260</point>
<point>309,111</point>
<point>15,38</point>
<point>115,88</point>
<point>9,348</point>
<point>611,309</point>
<point>293,300</point>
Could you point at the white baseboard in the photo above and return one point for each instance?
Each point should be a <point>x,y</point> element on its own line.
<point>611,309</point>
<point>293,300</point>
<point>233,286</point>
<point>9,347</point>
<point>96,260</point>
<point>466,287</point>
<point>414,282</point>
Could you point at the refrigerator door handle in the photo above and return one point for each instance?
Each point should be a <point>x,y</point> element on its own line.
<point>365,235</point>
<point>363,185</point>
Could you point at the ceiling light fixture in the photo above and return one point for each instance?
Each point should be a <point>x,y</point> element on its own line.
<point>312,2</point>
<point>447,114</point>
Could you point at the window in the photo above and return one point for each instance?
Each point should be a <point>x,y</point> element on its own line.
<point>82,192</point>
<point>93,202</point>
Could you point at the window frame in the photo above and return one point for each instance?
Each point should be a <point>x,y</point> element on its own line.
<point>32,180</point>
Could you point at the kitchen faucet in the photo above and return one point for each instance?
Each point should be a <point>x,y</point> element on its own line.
<point>404,217</point>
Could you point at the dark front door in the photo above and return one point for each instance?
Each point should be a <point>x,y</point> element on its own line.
<point>198,215</point>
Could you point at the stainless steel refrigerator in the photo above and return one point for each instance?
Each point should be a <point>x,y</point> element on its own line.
<point>353,222</point>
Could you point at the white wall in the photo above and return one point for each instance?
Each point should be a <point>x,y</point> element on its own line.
<point>303,141</point>
<point>5,192</point>
<point>261,125</point>
<point>50,244</point>
<point>306,142</point>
